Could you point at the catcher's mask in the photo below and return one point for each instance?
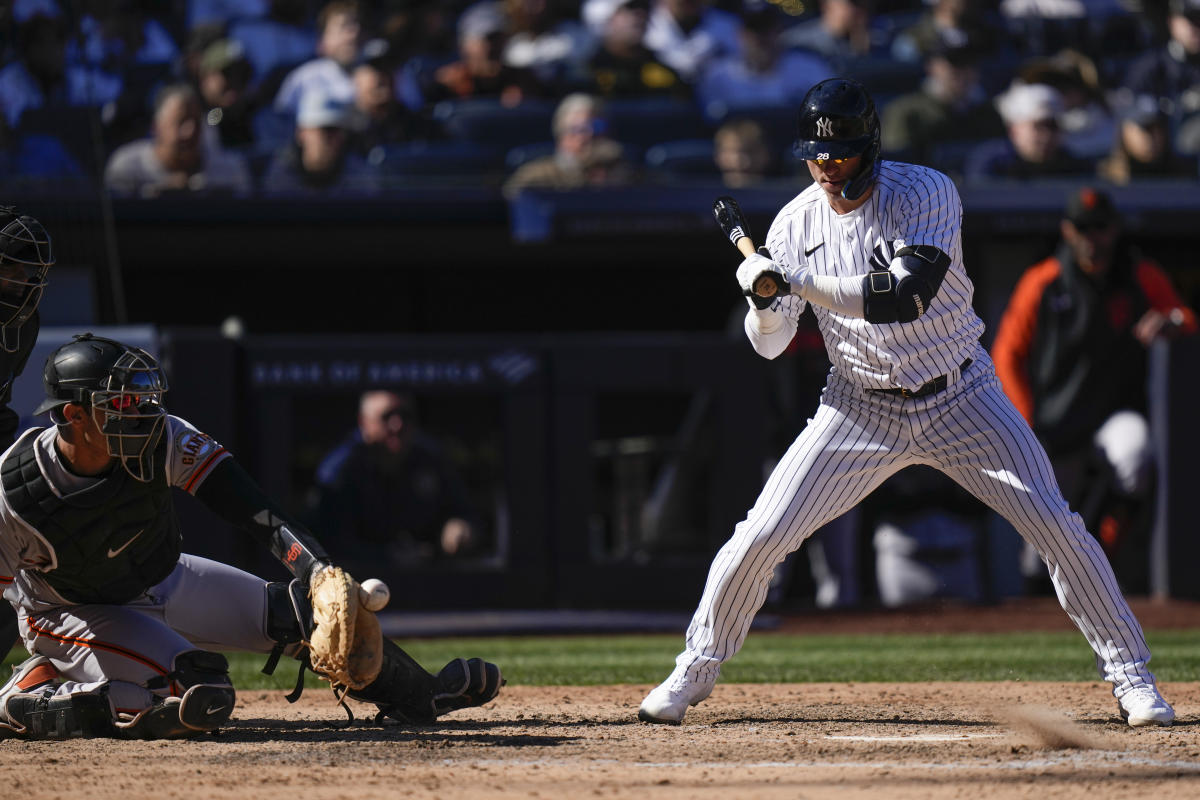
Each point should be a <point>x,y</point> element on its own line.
<point>25,256</point>
<point>838,120</point>
<point>124,383</point>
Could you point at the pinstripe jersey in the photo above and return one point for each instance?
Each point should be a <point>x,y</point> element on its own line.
<point>857,439</point>
<point>910,205</point>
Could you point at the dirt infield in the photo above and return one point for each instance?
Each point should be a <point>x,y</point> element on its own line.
<point>927,741</point>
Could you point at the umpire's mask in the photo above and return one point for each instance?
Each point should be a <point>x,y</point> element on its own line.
<point>25,256</point>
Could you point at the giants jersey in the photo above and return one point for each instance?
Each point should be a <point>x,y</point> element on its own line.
<point>191,455</point>
<point>909,205</point>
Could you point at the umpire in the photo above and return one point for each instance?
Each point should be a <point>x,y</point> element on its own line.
<point>25,257</point>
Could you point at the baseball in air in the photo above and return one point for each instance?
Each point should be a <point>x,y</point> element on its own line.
<point>374,594</point>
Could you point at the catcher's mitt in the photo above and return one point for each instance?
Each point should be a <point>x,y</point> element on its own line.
<point>346,646</point>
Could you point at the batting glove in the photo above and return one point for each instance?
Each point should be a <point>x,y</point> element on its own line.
<point>750,270</point>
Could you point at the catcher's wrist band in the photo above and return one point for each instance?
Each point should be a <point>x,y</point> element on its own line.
<point>298,552</point>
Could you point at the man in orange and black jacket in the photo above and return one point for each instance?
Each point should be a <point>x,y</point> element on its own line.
<point>1071,354</point>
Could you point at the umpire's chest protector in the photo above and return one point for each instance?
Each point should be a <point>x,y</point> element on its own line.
<point>112,540</point>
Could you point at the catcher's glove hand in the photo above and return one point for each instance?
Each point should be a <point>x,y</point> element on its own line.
<point>466,682</point>
<point>346,644</point>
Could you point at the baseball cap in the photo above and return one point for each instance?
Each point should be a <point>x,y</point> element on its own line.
<point>375,52</point>
<point>481,20</point>
<point>959,47</point>
<point>1090,208</point>
<point>320,110</point>
<point>1030,102</point>
<point>222,54</point>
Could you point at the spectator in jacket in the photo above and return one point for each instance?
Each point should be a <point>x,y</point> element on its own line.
<point>388,490</point>
<point>178,157</point>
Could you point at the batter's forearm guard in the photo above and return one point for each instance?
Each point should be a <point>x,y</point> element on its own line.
<point>889,298</point>
<point>232,493</point>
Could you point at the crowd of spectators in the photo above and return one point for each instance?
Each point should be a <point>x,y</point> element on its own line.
<point>351,97</point>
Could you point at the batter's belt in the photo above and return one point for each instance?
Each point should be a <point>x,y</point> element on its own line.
<point>933,387</point>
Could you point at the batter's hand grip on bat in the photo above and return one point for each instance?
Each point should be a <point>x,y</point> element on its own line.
<point>733,223</point>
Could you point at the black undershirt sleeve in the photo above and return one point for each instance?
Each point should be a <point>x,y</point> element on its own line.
<point>235,496</point>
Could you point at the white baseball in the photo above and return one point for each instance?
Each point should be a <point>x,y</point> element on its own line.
<point>373,594</point>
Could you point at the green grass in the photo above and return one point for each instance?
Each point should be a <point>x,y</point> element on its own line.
<point>590,660</point>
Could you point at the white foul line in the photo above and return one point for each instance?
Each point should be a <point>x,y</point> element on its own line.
<point>919,737</point>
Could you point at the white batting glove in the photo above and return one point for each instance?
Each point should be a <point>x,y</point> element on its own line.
<point>752,269</point>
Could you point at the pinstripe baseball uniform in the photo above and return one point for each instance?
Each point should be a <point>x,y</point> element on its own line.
<point>860,436</point>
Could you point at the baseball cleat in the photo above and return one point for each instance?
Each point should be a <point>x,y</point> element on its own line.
<point>1143,706</point>
<point>29,676</point>
<point>668,702</point>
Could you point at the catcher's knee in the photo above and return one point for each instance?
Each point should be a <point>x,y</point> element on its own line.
<point>202,708</point>
<point>206,702</point>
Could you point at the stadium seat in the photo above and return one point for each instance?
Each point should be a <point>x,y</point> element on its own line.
<point>75,130</point>
<point>682,158</point>
<point>485,121</point>
<point>647,121</point>
<point>524,153</point>
<point>441,158</point>
<point>272,128</point>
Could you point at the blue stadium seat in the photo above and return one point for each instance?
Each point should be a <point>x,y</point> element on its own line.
<point>272,129</point>
<point>74,129</point>
<point>485,121</point>
<point>441,158</point>
<point>682,158</point>
<point>524,153</point>
<point>646,121</point>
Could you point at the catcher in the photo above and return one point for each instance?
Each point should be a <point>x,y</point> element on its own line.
<point>123,628</point>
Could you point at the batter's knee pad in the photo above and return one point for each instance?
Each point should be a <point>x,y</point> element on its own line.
<point>43,715</point>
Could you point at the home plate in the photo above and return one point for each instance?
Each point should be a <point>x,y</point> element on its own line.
<point>919,737</point>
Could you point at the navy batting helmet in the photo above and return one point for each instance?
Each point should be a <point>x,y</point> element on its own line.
<point>838,120</point>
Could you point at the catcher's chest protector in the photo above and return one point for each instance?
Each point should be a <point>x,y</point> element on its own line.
<point>112,540</point>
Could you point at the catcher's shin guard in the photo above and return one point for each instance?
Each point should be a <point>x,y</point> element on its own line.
<point>42,715</point>
<point>406,692</point>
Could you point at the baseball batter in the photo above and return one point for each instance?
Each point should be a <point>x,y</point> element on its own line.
<point>875,248</point>
<point>123,628</point>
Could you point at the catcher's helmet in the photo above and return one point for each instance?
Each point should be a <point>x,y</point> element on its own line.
<point>25,256</point>
<point>838,120</point>
<point>124,382</point>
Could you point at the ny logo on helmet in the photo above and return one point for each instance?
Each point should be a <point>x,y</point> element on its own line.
<point>825,127</point>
